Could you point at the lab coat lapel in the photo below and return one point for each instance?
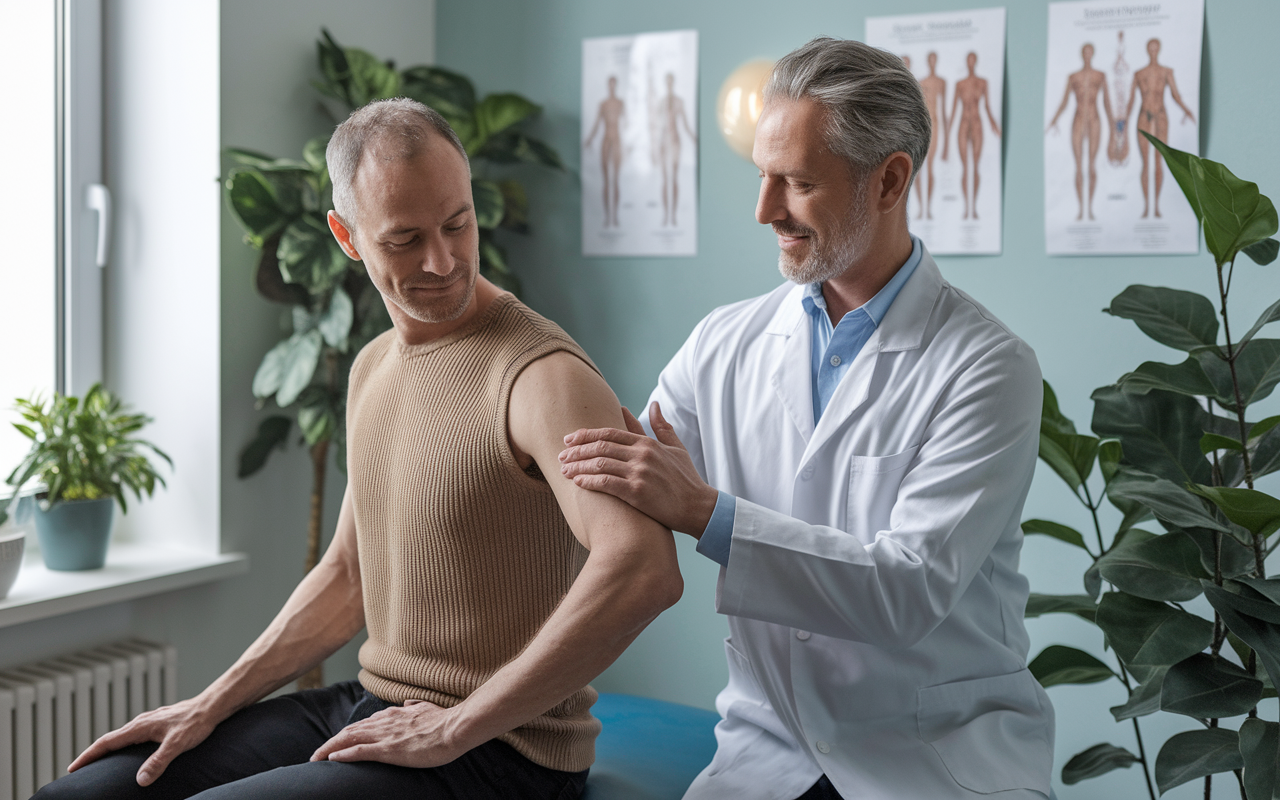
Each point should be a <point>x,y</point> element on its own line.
<point>902,329</point>
<point>792,377</point>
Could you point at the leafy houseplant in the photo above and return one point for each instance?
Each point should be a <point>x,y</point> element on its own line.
<point>1174,447</point>
<point>85,453</point>
<point>333,307</point>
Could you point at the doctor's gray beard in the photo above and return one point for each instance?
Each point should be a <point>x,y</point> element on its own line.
<point>826,259</point>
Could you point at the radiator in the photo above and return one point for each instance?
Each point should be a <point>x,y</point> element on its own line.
<point>50,711</point>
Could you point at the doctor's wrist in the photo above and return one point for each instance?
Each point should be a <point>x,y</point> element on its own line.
<point>699,511</point>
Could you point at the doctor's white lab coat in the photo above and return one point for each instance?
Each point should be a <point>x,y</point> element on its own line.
<point>874,601</point>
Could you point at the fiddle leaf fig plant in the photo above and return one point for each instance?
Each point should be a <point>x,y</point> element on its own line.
<point>84,449</point>
<point>333,308</point>
<point>1177,449</point>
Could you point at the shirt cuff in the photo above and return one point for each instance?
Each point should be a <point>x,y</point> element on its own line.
<point>718,536</point>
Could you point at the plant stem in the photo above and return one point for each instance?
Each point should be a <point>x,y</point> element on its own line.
<point>1137,733</point>
<point>1097,528</point>
<point>1259,557</point>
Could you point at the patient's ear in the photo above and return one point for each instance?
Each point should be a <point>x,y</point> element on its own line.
<point>343,234</point>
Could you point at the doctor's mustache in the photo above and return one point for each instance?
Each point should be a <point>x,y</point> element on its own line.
<point>785,229</point>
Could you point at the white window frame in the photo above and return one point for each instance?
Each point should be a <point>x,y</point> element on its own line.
<point>84,203</point>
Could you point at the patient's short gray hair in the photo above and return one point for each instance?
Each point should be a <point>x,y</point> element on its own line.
<point>399,125</point>
<point>875,106</point>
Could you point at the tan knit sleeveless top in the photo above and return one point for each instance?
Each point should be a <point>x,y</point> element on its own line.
<point>463,555</point>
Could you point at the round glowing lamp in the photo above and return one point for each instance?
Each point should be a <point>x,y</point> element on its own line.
<point>739,105</point>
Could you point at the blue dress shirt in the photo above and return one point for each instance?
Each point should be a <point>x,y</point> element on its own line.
<point>832,352</point>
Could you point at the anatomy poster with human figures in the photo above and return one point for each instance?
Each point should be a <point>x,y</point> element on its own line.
<point>958,57</point>
<point>1115,71</point>
<point>640,145</point>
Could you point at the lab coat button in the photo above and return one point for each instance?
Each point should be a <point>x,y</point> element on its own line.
<point>802,636</point>
<point>807,473</point>
<point>835,361</point>
<point>823,747</point>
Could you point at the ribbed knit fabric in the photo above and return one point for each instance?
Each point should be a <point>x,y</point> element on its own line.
<point>463,555</point>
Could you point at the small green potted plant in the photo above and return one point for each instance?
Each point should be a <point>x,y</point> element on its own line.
<point>85,453</point>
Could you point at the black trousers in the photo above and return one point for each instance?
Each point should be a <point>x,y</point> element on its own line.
<point>261,752</point>
<point>822,790</point>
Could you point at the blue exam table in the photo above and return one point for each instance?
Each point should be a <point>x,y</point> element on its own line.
<point>648,749</point>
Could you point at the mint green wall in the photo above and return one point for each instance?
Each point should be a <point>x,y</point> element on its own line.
<point>631,314</point>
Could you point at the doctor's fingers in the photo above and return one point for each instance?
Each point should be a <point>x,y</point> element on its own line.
<point>587,435</point>
<point>598,466</point>
<point>599,449</point>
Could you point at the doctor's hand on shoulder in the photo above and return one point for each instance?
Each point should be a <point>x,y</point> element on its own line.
<point>655,476</point>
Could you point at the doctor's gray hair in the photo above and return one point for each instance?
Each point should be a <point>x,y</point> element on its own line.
<point>399,126</point>
<point>875,106</point>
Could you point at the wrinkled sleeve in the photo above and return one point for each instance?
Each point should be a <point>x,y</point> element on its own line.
<point>891,587</point>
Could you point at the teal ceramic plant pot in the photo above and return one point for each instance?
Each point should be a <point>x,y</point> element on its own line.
<point>74,534</point>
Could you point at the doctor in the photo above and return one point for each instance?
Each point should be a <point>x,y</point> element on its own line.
<point>854,448</point>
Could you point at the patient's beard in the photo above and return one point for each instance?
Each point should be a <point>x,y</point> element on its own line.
<point>439,309</point>
<point>826,259</point>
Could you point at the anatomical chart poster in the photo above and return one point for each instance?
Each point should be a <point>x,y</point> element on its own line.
<point>958,57</point>
<point>640,145</point>
<point>1117,69</point>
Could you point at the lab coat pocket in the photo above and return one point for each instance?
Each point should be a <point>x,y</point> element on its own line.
<point>991,733</point>
<point>873,489</point>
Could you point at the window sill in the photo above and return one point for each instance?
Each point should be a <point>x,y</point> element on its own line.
<point>132,571</point>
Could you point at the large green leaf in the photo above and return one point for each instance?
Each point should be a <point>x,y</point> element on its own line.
<point>1257,370</point>
<point>1185,378</point>
<point>449,93</point>
<point>1071,456</point>
<point>1144,699</point>
<point>1124,539</point>
<point>1147,634</point>
<point>318,420</point>
<point>515,205</point>
<point>335,324</point>
<point>310,257</point>
<point>1263,252</point>
<point>1256,511</point>
<point>253,201</point>
<point>1051,417</point>
<point>1097,760</point>
<point>287,368</point>
<point>1195,754</point>
<point>513,147</point>
<point>1259,745</point>
<point>313,152</point>
<point>1253,618</point>
<point>270,283</point>
<point>1233,213</point>
<point>1171,504</point>
<point>1236,558</point>
<point>497,112</point>
<point>1179,319</point>
<point>1055,530</point>
<point>1081,605</point>
<point>1209,687</point>
<point>370,79</point>
<point>1162,568</point>
<point>1272,314</point>
<point>489,203</point>
<point>273,432</point>
<point>1159,432</point>
<point>1264,453</point>
<point>1058,664</point>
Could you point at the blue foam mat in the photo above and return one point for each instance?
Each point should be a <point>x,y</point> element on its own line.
<point>649,749</point>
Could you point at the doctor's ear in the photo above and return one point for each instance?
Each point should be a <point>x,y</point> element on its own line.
<point>890,182</point>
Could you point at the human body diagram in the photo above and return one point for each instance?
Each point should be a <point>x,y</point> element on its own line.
<point>1151,82</point>
<point>1085,85</point>
<point>935,98</point>
<point>612,110</point>
<point>970,97</point>
<point>670,119</point>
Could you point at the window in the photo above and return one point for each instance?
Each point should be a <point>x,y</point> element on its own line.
<point>56,211</point>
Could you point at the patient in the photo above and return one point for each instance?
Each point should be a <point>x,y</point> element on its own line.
<point>493,588</point>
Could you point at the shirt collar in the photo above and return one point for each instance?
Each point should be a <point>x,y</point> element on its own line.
<point>878,306</point>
